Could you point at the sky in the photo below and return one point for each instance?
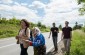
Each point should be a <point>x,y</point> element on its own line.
<point>44,11</point>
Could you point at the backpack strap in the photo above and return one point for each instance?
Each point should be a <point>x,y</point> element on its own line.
<point>19,31</point>
<point>25,32</point>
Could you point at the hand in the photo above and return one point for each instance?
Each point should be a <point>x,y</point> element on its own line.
<point>17,37</point>
<point>25,40</point>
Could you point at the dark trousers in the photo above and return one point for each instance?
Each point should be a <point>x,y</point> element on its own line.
<point>23,50</point>
<point>55,42</point>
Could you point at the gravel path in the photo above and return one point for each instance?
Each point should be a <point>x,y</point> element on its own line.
<point>60,49</point>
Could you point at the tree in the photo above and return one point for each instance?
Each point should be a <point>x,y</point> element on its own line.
<point>60,27</point>
<point>43,26</point>
<point>32,25</point>
<point>3,20</point>
<point>82,9</point>
<point>77,26</point>
<point>14,21</point>
<point>39,24</point>
<point>79,1</point>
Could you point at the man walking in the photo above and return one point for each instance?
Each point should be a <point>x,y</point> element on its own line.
<point>54,30</point>
<point>67,35</point>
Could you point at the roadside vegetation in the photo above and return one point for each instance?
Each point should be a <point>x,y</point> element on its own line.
<point>10,28</point>
<point>78,43</point>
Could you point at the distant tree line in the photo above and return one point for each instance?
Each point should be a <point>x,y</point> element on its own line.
<point>15,21</point>
<point>10,21</point>
<point>77,26</point>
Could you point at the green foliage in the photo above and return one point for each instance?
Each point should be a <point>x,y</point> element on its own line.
<point>78,43</point>
<point>39,24</point>
<point>42,27</point>
<point>10,28</point>
<point>82,10</point>
<point>32,25</point>
<point>10,21</point>
<point>60,27</point>
<point>45,30</point>
<point>83,28</point>
<point>77,26</point>
<point>79,1</point>
<point>14,21</point>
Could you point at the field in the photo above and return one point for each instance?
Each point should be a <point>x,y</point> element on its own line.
<point>78,43</point>
<point>8,30</point>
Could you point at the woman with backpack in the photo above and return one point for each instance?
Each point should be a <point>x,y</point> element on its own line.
<point>24,33</point>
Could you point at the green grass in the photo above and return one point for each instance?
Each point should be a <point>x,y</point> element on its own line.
<point>8,30</point>
<point>45,30</point>
<point>78,43</point>
<point>83,28</point>
<point>11,30</point>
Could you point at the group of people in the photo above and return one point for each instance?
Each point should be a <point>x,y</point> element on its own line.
<point>66,37</point>
<point>35,38</point>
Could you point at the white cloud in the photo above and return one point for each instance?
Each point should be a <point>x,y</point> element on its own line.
<point>16,3</point>
<point>20,11</point>
<point>59,11</point>
<point>37,4</point>
<point>59,5</point>
<point>6,1</point>
<point>24,4</point>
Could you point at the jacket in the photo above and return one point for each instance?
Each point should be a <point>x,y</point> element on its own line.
<point>39,40</point>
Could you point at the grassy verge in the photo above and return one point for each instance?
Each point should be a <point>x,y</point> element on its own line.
<point>8,30</point>
<point>78,43</point>
<point>11,30</point>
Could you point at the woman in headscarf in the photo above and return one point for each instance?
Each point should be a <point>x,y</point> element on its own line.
<point>38,42</point>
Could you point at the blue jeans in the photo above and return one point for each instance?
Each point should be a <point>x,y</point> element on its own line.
<point>55,42</point>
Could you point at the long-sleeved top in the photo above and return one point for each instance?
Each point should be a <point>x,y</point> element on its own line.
<point>39,40</point>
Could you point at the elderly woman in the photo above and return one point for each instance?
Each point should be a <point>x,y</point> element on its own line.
<point>38,42</point>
